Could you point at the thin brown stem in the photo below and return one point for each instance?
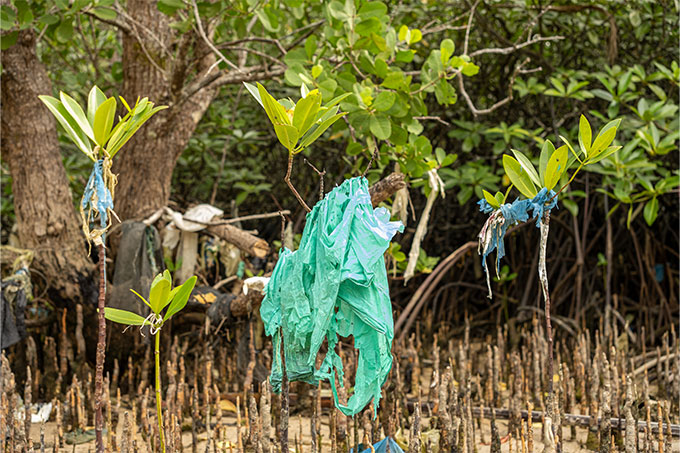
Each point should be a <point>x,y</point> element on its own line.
<point>287,179</point>
<point>374,153</point>
<point>321,175</point>
<point>101,344</point>
<point>284,398</point>
<point>549,438</point>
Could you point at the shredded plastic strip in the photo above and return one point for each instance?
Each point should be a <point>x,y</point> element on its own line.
<point>335,284</point>
<point>492,235</point>
<point>98,196</point>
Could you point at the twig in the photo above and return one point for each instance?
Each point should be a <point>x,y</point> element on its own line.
<point>116,23</point>
<point>502,102</point>
<point>276,42</point>
<point>207,40</point>
<point>248,217</point>
<point>309,30</point>
<point>258,53</point>
<point>511,49</point>
<point>641,369</point>
<point>374,153</point>
<point>260,72</point>
<point>321,175</point>
<point>434,118</point>
<point>469,26</point>
<point>290,184</point>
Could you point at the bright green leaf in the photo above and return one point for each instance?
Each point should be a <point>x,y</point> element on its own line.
<point>518,177</point>
<point>490,199</point>
<point>651,211</point>
<point>384,101</point>
<point>287,135</point>
<point>315,133</point>
<point>380,126</point>
<point>146,302</point>
<point>546,151</point>
<point>527,166</point>
<point>103,121</point>
<point>253,90</point>
<point>446,49</point>
<point>403,33</point>
<point>557,164</point>
<point>571,148</point>
<point>416,36</point>
<point>104,13</point>
<point>603,154</point>
<point>160,290</point>
<point>585,135</point>
<point>180,298</point>
<point>94,99</point>
<point>305,112</point>
<point>603,141</point>
<point>77,114</point>
<point>69,124</point>
<point>123,317</point>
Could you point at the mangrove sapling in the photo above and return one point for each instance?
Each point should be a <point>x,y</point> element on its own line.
<point>553,164</point>
<point>85,130</point>
<point>161,296</point>
<point>298,125</point>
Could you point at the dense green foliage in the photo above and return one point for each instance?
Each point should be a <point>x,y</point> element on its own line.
<point>404,66</point>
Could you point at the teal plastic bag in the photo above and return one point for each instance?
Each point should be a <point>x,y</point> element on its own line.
<point>335,284</point>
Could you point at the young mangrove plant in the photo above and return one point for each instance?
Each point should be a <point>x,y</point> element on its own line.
<point>553,166</point>
<point>161,295</point>
<point>95,135</point>
<point>298,125</point>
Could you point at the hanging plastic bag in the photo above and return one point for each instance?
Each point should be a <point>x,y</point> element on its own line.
<point>335,284</point>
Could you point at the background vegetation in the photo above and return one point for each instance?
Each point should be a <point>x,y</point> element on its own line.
<point>548,62</point>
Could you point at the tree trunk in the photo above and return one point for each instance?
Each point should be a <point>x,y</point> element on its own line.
<point>145,164</point>
<point>46,218</point>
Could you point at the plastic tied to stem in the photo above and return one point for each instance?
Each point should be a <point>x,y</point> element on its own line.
<point>98,196</point>
<point>335,284</point>
<point>380,447</point>
<point>492,235</point>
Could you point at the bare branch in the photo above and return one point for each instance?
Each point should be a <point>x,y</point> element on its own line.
<point>497,105</point>
<point>256,52</point>
<point>433,118</point>
<point>207,40</point>
<point>441,28</point>
<point>116,23</point>
<point>469,26</point>
<point>508,50</point>
<point>217,79</point>
<point>276,42</point>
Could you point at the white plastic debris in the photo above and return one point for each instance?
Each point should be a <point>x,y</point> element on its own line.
<point>255,283</point>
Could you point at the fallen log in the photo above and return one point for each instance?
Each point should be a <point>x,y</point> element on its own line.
<point>243,240</point>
